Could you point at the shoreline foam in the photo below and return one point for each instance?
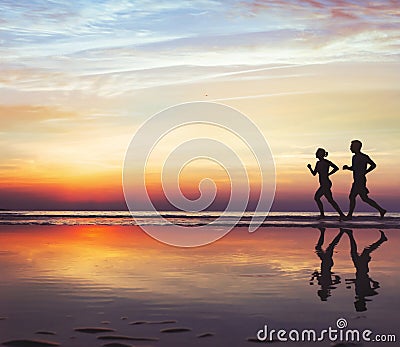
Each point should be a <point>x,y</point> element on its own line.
<point>214,219</point>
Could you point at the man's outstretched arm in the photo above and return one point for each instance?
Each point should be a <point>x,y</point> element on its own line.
<point>346,167</point>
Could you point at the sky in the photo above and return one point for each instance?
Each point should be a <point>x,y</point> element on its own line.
<point>79,78</point>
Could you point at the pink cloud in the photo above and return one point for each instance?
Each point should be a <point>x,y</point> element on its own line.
<point>338,13</point>
<point>336,8</point>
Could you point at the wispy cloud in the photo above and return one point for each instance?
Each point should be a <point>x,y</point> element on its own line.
<point>98,45</point>
<point>257,96</point>
<point>91,29</point>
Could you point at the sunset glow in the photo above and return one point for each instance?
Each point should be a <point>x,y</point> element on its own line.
<point>78,79</point>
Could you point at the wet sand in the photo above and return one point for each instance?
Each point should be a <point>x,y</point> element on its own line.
<point>115,286</point>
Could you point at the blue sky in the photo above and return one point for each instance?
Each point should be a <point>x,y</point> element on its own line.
<point>87,45</point>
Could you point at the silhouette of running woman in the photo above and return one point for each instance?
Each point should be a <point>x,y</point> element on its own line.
<point>362,281</point>
<point>360,161</point>
<point>322,168</point>
<point>324,277</point>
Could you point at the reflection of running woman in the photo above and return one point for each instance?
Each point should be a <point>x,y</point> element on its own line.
<point>359,165</point>
<point>322,168</point>
<point>324,277</point>
<point>362,281</point>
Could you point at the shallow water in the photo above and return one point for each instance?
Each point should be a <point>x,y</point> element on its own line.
<point>192,219</point>
<point>59,278</point>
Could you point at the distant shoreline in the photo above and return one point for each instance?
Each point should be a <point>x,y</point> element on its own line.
<point>361,220</point>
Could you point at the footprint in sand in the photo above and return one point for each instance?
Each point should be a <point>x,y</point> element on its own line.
<point>139,322</point>
<point>45,332</point>
<point>254,339</point>
<point>175,330</point>
<point>127,338</point>
<point>94,330</point>
<point>30,343</point>
<point>206,334</point>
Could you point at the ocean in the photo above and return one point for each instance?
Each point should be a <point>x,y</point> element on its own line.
<point>192,219</point>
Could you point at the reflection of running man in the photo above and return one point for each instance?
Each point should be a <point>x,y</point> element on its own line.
<point>324,277</point>
<point>322,168</point>
<point>359,165</point>
<point>364,285</point>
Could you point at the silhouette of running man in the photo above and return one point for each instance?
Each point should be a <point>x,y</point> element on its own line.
<point>360,161</point>
<point>324,277</point>
<point>322,168</point>
<point>364,285</point>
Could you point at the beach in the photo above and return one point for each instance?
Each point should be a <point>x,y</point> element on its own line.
<point>59,280</point>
